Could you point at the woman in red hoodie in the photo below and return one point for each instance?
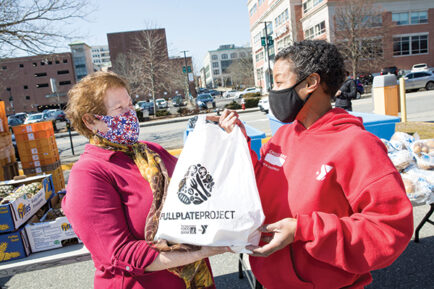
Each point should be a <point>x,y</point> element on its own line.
<point>335,205</point>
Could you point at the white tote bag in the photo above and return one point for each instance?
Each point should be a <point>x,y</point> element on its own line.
<point>212,199</point>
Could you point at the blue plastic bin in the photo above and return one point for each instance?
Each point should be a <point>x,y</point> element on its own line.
<point>255,135</point>
<point>383,126</point>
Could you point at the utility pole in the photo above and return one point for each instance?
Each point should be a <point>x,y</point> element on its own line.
<point>266,42</point>
<point>187,86</point>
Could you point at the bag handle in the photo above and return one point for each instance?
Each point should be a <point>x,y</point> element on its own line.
<point>201,119</point>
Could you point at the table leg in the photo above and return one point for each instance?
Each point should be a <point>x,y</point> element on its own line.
<point>424,220</point>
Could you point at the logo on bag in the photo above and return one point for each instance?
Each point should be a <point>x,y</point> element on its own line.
<point>196,186</point>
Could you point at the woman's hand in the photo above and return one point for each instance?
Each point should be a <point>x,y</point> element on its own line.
<point>228,120</point>
<point>283,233</point>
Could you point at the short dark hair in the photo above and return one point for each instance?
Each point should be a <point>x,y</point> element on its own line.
<point>316,56</point>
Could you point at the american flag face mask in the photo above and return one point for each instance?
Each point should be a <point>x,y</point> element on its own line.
<point>122,129</point>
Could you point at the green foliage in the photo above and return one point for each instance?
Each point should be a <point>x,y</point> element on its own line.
<point>252,101</point>
<point>249,95</point>
<point>233,105</point>
<point>163,113</point>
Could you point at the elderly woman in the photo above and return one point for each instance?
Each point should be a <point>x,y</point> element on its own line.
<point>115,192</point>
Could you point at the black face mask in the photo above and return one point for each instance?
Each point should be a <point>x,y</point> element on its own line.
<point>285,104</point>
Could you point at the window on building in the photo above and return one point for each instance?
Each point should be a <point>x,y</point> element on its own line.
<point>34,64</point>
<point>215,64</point>
<point>42,63</point>
<point>4,67</point>
<point>42,85</point>
<point>260,2</point>
<point>257,38</point>
<point>410,45</point>
<point>50,62</point>
<point>259,74</point>
<point>41,74</point>
<point>419,17</point>
<point>64,82</point>
<point>259,56</point>
<point>372,47</point>
<point>214,57</point>
<point>225,56</point>
<point>62,71</point>
<point>400,18</point>
<point>80,66</point>
<point>216,72</point>
<point>234,55</point>
<point>57,62</point>
<point>315,31</point>
<point>269,29</point>
<point>27,97</point>
<point>26,87</point>
<point>309,4</point>
<point>282,43</point>
<point>65,60</point>
<point>225,64</point>
<point>252,10</point>
<point>282,18</point>
<point>21,65</point>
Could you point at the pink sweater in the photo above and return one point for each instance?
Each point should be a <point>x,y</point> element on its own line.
<point>107,202</point>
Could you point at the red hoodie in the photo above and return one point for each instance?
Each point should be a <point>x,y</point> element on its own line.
<point>352,213</point>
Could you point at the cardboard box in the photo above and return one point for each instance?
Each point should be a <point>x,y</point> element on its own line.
<point>14,245</point>
<point>47,235</point>
<point>16,213</point>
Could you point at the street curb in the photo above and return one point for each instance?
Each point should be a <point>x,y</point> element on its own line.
<point>159,122</point>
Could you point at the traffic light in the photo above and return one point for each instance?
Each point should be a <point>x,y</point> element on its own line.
<point>270,41</point>
<point>263,42</point>
<point>188,69</point>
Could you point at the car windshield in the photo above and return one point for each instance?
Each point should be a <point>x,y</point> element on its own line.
<point>160,100</point>
<point>419,65</point>
<point>35,116</point>
<point>203,96</point>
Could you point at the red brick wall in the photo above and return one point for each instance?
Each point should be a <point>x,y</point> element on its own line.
<point>16,77</point>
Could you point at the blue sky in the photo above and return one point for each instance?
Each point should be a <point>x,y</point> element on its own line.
<point>193,25</point>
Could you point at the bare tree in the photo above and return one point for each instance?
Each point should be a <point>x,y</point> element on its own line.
<point>241,71</point>
<point>147,66</point>
<point>37,26</point>
<point>359,34</point>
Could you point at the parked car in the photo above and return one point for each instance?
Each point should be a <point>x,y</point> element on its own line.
<point>37,117</point>
<point>56,115</point>
<point>178,100</point>
<point>264,105</point>
<point>419,67</point>
<point>202,90</point>
<point>21,115</point>
<point>390,69</point>
<point>418,80</point>
<point>145,105</point>
<point>230,93</point>
<point>161,103</point>
<point>204,99</point>
<point>214,92</point>
<point>246,91</point>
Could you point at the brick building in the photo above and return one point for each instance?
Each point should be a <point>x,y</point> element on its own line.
<point>410,23</point>
<point>127,42</point>
<point>25,81</point>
